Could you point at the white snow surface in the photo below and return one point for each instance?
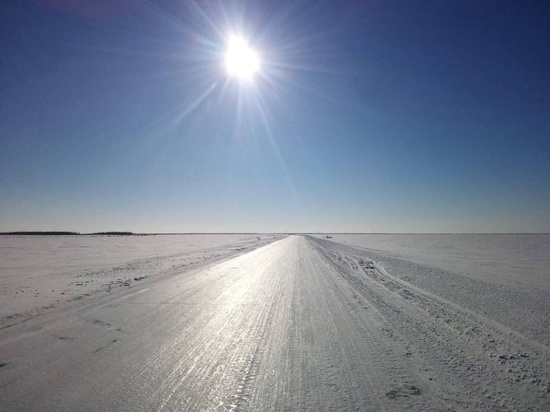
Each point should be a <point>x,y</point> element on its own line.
<point>38,273</point>
<point>506,277</point>
<point>289,324</point>
<point>511,259</point>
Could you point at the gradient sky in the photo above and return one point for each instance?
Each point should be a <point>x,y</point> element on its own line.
<point>386,116</point>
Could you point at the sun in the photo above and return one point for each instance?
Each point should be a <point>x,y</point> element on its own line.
<point>241,61</point>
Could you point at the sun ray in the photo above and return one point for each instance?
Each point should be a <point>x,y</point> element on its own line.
<point>169,121</point>
<point>215,27</point>
<point>273,143</point>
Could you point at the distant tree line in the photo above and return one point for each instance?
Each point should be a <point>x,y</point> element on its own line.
<point>41,233</point>
<point>60,233</point>
<point>114,233</point>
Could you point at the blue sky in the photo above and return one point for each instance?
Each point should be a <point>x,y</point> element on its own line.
<point>386,116</point>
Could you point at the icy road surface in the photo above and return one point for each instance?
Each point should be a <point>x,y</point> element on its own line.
<point>299,324</point>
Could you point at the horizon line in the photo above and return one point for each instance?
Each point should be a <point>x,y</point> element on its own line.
<point>130,233</point>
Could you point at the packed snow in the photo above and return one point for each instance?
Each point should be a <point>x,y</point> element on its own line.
<point>510,259</point>
<point>506,277</point>
<point>39,273</point>
<point>265,322</point>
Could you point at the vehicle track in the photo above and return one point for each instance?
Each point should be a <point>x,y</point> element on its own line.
<point>290,326</point>
<point>469,360</point>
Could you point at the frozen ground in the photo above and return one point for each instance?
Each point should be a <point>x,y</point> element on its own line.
<point>301,323</point>
<point>39,273</point>
<point>505,277</point>
<point>514,260</point>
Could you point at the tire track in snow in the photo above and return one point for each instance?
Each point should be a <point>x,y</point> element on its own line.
<point>470,361</point>
<point>290,326</point>
<point>334,355</point>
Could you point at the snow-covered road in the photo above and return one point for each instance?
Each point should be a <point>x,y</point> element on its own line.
<point>294,325</point>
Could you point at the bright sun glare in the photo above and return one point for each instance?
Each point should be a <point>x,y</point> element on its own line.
<point>240,60</point>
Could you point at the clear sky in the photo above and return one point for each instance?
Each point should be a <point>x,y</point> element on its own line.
<point>374,115</point>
